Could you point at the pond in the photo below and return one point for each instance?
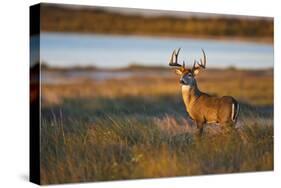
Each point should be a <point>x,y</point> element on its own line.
<point>114,51</point>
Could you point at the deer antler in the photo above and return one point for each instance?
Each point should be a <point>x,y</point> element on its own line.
<point>202,64</point>
<point>197,65</point>
<point>174,60</point>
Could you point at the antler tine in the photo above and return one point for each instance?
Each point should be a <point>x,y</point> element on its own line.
<point>203,62</point>
<point>174,58</point>
<point>178,52</point>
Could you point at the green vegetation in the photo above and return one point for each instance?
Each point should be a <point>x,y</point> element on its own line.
<point>138,128</point>
<point>97,20</point>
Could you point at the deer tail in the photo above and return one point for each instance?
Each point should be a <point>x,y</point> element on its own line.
<point>235,111</point>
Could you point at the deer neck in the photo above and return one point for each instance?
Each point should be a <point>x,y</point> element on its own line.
<point>190,94</point>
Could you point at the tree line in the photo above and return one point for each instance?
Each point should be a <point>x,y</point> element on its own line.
<point>96,20</point>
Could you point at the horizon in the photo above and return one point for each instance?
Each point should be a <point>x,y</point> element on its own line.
<point>136,66</point>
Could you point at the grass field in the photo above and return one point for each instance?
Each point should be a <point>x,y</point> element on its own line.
<point>137,128</point>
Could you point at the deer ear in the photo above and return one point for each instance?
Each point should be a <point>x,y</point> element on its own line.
<point>178,72</point>
<point>196,72</point>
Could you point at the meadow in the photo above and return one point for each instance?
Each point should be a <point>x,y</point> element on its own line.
<point>137,127</point>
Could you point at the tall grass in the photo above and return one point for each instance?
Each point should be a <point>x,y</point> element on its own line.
<point>114,130</point>
<point>114,147</point>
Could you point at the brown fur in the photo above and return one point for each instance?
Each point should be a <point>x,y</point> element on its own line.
<point>204,108</point>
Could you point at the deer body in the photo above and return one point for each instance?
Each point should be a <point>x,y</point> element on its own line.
<point>202,107</point>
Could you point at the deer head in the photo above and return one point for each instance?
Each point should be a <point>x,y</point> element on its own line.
<point>187,74</point>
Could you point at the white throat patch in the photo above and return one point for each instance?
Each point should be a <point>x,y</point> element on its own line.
<point>185,87</point>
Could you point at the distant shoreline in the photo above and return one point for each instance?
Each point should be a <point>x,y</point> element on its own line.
<point>134,67</point>
<point>55,18</point>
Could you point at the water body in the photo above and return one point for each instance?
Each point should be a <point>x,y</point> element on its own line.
<point>110,51</point>
<point>70,77</point>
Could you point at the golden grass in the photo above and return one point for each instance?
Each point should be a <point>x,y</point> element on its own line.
<point>138,128</point>
<point>253,87</point>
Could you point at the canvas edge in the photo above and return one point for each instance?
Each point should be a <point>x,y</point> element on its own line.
<point>34,88</point>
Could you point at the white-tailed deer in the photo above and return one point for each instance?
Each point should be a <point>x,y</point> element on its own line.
<point>202,107</point>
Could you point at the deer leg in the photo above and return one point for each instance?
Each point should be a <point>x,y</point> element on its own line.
<point>199,128</point>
